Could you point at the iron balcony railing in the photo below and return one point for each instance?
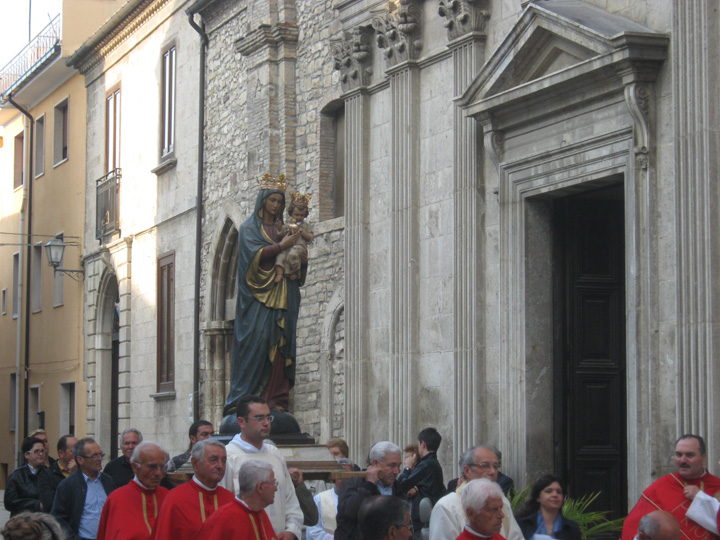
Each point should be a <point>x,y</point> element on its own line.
<point>107,219</point>
<point>33,53</point>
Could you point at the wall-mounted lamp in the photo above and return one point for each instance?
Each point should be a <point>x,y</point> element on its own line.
<point>54,250</point>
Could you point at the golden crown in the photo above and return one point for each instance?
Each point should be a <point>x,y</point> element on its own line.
<point>268,182</point>
<point>299,199</point>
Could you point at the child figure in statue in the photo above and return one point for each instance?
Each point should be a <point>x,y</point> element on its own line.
<point>289,262</point>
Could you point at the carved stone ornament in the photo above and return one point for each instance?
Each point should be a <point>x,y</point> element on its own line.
<point>463,16</point>
<point>637,97</point>
<point>353,58</point>
<point>399,31</point>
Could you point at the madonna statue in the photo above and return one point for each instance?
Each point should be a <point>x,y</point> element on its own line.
<point>263,354</point>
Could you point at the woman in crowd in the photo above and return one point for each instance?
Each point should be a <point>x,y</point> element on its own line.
<point>541,518</point>
<point>32,526</point>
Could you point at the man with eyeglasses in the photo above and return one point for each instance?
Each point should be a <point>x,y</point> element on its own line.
<point>21,491</point>
<point>245,517</point>
<point>79,499</point>
<point>130,511</point>
<point>254,419</point>
<point>448,516</point>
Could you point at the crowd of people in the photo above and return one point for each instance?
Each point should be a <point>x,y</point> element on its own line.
<point>245,491</point>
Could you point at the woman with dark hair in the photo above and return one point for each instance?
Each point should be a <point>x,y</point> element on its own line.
<point>541,517</point>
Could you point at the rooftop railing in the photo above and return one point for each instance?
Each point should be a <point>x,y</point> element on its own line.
<point>31,54</point>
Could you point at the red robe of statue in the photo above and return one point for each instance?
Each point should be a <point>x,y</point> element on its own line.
<point>237,521</point>
<point>667,493</point>
<point>130,513</point>
<point>467,535</point>
<point>186,508</point>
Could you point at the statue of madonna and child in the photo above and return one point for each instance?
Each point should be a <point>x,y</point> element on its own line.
<point>268,302</point>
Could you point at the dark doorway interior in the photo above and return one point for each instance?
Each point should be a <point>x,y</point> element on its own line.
<point>589,328</point>
<point>115,380</point>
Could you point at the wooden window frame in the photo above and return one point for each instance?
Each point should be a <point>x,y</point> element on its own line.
<point>168,100</point>
<point>166,323</point>
<point>113,113</point>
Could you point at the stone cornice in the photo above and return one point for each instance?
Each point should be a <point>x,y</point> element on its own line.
<point>463,16</point>
<point>266,35</point>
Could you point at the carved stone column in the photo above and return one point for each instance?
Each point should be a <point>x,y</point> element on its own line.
<point>399,34</point>
<point>353,58</point>
<point>465,23</point>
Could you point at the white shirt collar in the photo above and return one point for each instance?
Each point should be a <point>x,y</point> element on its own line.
<point>199,483</point>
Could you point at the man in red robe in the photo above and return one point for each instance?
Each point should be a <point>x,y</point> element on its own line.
<point>670,493</point>
<point>188,506</point>
<point>245,518</point>
<point>482,501</point>
<point>130,511</point>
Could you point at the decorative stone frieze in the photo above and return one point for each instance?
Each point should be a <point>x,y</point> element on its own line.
<point>463,16</point>
<point>399,31</point>
<point>353,58</point>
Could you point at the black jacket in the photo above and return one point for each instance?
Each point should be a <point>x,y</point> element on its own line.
<point>120,471</point>
<point>21,491</point>
<point>48,480</point>
<point>70,501</point>
<point>428,478</point>
<point>569,531</point>
<point>352,494</point>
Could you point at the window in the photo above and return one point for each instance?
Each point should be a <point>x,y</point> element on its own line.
<point>16,285</point>
<point>60,150</point>
<point>166,323</point>
<point>33,408</point>
<point>58,287</point>
<point>4,301</point>
<point>36,278</point>
<point>40,146</point>
<point>13,401</point>
<point>19,163</point>
<point>168,102</point>
<point>112,130</point>
<point>67,408</point>
<point>331,182</point>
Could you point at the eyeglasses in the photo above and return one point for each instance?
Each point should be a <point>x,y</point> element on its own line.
<point>94,456</point>
<point>153,466</point>
<point>38,451</point>
<point>275,483</point>
<point>408,526</point>
<point>485,466</point>
<point>261,418</point>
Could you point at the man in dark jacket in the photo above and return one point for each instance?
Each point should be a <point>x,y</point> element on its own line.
<point>79,498</point>
<point>385,459</point>
<point>427,478</point>
<point>21,490</point>
<point>119,468</point>
<point>50,477</point>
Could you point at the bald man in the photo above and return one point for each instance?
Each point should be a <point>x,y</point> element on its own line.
<point>658,525</point>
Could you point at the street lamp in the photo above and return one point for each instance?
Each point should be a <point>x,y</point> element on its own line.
<point>54,250</point>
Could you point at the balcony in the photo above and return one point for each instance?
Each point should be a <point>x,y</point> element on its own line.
<point>42,48</point>
<point>107,219</point>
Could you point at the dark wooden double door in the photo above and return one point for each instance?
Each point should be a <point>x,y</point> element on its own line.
<point>589,300</point>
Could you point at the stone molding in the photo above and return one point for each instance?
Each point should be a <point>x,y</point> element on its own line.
<point>463,16</point>
<point>266,35</point>
<point>353,58</point>
<point>399,31</point>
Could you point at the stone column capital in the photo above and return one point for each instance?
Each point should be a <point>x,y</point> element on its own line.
<point>463,16</point>
<point>399,31</point>
<point>353,58</point>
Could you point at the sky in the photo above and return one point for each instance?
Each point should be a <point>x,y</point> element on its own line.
<point>14,35</point>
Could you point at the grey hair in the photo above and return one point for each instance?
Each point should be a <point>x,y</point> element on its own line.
<point>344,461</point>
<point>33,525</point>
<point>131,430</point>
<point>468,457</point>
<point>649,526</point>
<point>476,493</point>
<point>251,473</point>
<point>140,448</point>
<point>498,453</point>
<point>79,448</point>
<point>382,449</point>
<point>198,450</point>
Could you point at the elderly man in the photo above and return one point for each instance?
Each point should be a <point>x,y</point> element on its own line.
<point>188,506</point>
<point>254,419</point>
<point>79,499</point>
<point>448,516</point>
<point>385,459</point>
<point>50,477</point>
<point>130,511</point>
<point>671,492</point>
<point>658,525</point>
<point>119,468</point>
<point>199,431</point>
<point>245,518</point>
<point>384,517</point>
<point>326,503</point>
<point>483,503</point>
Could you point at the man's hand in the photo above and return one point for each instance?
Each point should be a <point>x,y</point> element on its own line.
<point>289,241</point>
<point>72,465</point>
<point>286,535</point>
<point>412,492</point>
<point>297,476</point>
<point>691,491</point>
<point>371,474</point>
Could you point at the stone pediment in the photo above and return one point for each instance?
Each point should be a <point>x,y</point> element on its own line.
<point>560,47</point>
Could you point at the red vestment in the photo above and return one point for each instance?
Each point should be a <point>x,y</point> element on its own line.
<point>186,508</point>
<point>237,521</point>
<point>667,493</point>
<point>467,535</point>
<point>130,512</point>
